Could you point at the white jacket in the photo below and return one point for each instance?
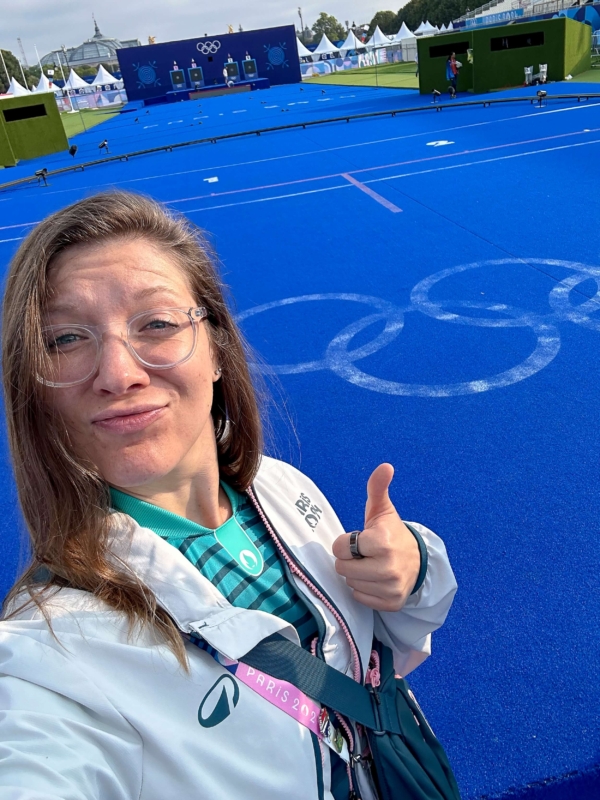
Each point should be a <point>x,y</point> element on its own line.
<point>98,714</point>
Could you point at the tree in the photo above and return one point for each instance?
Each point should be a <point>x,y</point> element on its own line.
<point>32,74</point>
<point>436,11</point>
<point>330,26</point>
<point>387,21</point>
<point>14,70</point>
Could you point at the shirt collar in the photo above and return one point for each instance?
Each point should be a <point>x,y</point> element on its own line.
<point>165,523</point>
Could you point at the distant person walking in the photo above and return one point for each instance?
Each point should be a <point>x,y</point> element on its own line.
<point>452,67</point>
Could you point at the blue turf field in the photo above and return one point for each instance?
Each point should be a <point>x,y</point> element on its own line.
<point>427,286</point>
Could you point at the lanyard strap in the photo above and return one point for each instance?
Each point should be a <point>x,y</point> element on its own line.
<point>284,695</point>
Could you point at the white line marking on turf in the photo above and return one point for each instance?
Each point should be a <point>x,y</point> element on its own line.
<point>211,180</point>
<point>268,199</point>
<point>240,111</point>
<point>174,122</point>
<point>20,225</point>
<point>483,161</point>
<point>150,126</point>
<point>373,195</point>
<point>441,143</point>
<point>302,154</point>
<point>271,106</point>
<point>16,239</point>
<point>372,180</point>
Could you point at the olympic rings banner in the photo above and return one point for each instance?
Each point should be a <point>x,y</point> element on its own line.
<point>341,358</point>
<point>146,69</point>
<point>208,47</point>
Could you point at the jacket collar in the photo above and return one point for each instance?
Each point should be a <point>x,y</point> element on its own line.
<point>192,601</point>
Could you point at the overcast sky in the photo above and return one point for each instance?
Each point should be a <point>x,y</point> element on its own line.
<point>48,25</point>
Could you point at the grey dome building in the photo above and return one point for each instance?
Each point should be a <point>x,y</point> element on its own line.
<point>98,50</point>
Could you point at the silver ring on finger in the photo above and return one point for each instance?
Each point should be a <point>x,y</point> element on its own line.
<point>354,551</point>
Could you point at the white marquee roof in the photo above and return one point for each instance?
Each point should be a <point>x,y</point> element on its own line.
<point>75,82</point>
<point>303,51</point>
<point>378,39</point>
<point>325,46</point>
<point>103,78</point>
<point>351,43</point>
<point>43,85</point>
<point>15,88</point>
<point>426,27</point>
<point>403,33</point>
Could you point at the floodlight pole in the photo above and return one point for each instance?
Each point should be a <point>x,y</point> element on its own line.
<point>38,59</point>
<point>81,116</point>
<point>23,75</point>
<point>62,72</point>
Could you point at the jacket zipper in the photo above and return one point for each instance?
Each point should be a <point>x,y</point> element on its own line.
<point>320,593</point>
<point>295,569</point>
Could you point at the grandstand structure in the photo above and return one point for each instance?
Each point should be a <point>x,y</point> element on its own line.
<point>505,10</point>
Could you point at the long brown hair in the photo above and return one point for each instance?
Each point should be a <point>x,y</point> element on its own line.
<point>64,500</point>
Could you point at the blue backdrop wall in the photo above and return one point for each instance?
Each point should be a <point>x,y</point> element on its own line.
<point>146,69</point>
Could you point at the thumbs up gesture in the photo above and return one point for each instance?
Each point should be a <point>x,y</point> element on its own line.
<point>387,574</point>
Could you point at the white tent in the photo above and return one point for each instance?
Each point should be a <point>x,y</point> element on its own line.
<point>403,33</point>
<point>103,78</point>
<point>75,82</point>
<point>450,27</point>
<point>378,39</point>
<point>303,52</point>
<point>425,28</point>
<point>324,47</point>
<point>443,28</point>
<point>15,89</point>
<point>43,85</point>
<point>351,43</point>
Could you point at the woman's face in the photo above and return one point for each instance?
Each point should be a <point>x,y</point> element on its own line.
<point>139,427</point>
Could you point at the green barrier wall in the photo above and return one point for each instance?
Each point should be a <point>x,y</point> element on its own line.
<point>32,136</point>
<point>562,43</point>
<point>7,157</point>
<point>578,48</point>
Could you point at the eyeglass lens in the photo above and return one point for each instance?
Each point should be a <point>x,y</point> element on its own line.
<point>159,338</point>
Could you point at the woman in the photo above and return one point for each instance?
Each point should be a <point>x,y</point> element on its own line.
<point>165,545</point>
<point>452,72</point>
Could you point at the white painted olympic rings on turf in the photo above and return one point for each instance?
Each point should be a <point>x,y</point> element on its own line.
<point>208,47</point>
<point>341,359</point>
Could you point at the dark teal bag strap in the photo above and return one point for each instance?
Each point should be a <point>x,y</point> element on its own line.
<point>287,661</point>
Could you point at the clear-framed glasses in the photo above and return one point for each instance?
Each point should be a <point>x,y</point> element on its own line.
<point>160,338</point>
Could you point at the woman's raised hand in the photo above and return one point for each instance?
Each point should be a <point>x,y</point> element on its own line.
<point>387,574</point>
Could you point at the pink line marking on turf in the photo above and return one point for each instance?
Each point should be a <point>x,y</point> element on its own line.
<point>377,197</point>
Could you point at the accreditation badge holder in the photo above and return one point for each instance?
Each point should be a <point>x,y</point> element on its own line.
<point>295,703</point>
<point>287,697</point>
